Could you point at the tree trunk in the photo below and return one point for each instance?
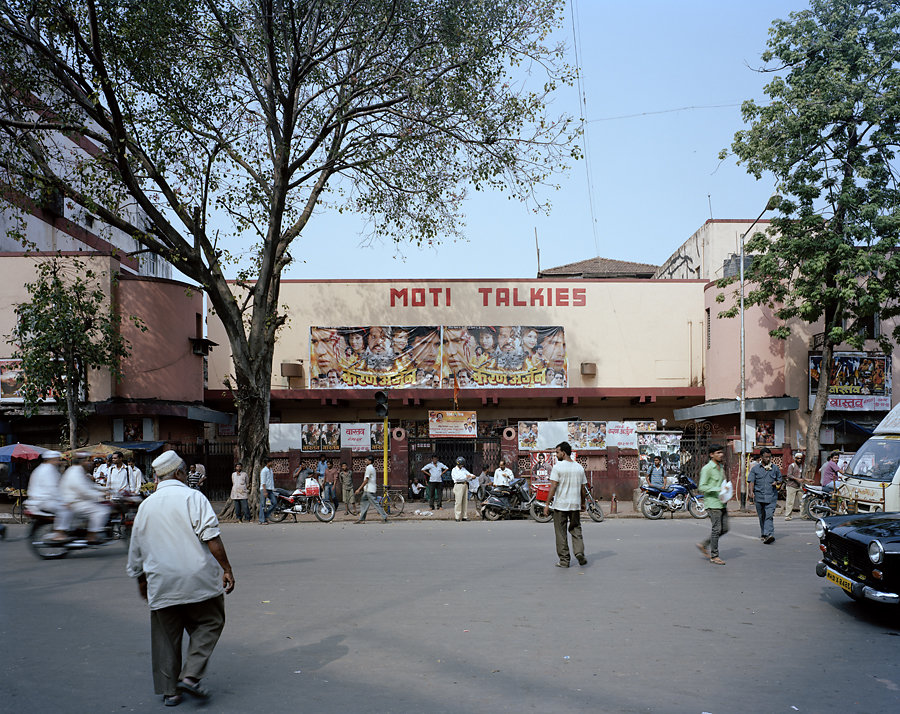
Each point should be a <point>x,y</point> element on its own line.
<point>818,411</point>
<point>72,383</point>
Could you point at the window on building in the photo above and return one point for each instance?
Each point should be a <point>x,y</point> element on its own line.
<point>869,327</point>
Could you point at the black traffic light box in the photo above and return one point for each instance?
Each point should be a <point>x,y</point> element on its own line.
<point>381,403</point>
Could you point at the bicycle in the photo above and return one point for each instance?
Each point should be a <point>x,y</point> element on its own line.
<point>18,508</point>
<point>391,501</point>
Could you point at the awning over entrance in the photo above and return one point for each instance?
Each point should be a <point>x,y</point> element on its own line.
<point>722,407</point>
<point>147,446</point>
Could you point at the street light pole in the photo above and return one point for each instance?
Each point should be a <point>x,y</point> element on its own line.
<point>771,204</point>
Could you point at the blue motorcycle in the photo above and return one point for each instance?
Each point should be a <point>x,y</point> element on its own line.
<point>679,496</point>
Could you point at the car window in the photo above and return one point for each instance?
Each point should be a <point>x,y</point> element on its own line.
<point>877,460</point>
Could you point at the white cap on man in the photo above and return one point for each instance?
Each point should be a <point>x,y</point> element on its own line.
<point>166,463</point>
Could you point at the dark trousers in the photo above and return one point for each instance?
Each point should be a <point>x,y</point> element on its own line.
<point>766,514</point>
<point>241,509</point>
<point>435,493</point>
<point>566,523</point>
<point>718,518</point>
<point>203,621</point>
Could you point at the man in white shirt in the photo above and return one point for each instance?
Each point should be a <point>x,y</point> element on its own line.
<point>503,475</point>
<point>369,490</point>
<point>267,492</point>
<point>435,471</point>
<point>135,475</point>
<point>120,479</point>
<point>461,476</point>
<point>182,570</point>
<point>567,483</point>
<point>82,497</point>
<point>101,470</point>
<point>43,493</point>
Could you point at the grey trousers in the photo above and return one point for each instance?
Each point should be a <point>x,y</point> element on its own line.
<point>567,523</point>
<point>203,621</point>
<point>718,517</point>
<point>370,499</point>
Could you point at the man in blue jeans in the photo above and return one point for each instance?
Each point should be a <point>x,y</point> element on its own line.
<point>266,492</point>
<point>764,478</point>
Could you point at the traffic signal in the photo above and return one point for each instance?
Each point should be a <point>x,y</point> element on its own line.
<point>381,403</point>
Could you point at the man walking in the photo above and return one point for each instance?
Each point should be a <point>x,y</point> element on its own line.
<point>182,570</point>
<point>435,488</point>
<point>793,482</point>
<point>567,485</point>
<point>764,478</point>
<point>266,492</point>
<point>369,488</point>
<point>461,478</point>
<point>712,476</point>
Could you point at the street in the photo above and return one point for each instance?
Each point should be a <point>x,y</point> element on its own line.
<point>446,617</point>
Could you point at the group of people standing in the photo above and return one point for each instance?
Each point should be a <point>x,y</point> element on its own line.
<point>465,483</point>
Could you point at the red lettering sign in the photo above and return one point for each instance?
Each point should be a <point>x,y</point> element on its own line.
<point>492,297</point>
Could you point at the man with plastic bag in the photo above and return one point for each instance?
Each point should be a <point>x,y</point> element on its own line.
<point>712,484</point>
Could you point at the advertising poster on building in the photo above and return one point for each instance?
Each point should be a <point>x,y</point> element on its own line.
<point>860,381</point>
<point>542,463</point>
<point>765,432</point>
<point>321,436</point>
<point>622,434</point>
<point>545,435</point>
<point>504,356</point>
<point>12,379</point>
<point>356,437</point>
<point>666,445</point>
<point>452,424</point>
<point>375,356</point>
<point>376,433</point>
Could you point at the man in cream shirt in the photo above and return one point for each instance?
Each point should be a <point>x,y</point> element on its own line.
<point>567,482</point>
<point>461,477</point>
<point>182,570</point>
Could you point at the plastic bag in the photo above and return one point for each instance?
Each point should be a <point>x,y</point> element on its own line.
<point>726,491</point>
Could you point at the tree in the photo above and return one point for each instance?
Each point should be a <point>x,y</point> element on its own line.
<point>66,329</point>
<point>266,111</point>
<point>829,136</point>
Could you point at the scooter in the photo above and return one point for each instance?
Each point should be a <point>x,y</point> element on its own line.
<point>118,530</point>
<point>591,506</point>
<point>300,501</point>
<point>679,496</point>
<point>816,502</point>
<point>508,501</point>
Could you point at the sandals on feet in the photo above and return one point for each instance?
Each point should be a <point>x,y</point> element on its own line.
<point>717,561</point>
<point>194,688</point>
<point>172,700</point>
<point>703,549</point>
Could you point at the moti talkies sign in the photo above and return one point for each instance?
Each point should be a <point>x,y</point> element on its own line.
<point>491,297</point>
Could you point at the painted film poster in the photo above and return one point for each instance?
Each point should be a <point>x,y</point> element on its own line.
<point>545,435</point>
<point>860,381</point>
<point>452,424</point>
<point>321,437</point>
<point>375,356</point>
<point>666,445</point>
<point>504,356</point>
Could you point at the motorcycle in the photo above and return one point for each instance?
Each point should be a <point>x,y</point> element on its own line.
<point>301,501</point>
<point>680,496</point>
<point>816,503</point>
<point>508,501</point>
<point>118,530</point>
<point>591,506</point>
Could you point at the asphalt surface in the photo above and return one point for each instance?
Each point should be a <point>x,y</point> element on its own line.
<point>441,616</point>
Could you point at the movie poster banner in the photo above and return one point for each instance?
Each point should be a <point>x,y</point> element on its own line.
<point>321,436</point>
<point>377,356</point>
<point>860,381</point>
<point>504,356</point>
<point>545,435</point>
<point>542,463</point>
<point>12,382</point>
<point>356,437</point>
<point>452,424</point>
<point>666,445</point>
<point>326,437</point>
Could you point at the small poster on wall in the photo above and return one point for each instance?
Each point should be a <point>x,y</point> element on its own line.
<point>452,424</point>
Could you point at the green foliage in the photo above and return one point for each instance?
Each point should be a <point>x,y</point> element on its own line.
<point>67,328</point>
<point>829,134</point>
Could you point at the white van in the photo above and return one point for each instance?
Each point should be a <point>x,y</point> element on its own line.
<point>873,475</point>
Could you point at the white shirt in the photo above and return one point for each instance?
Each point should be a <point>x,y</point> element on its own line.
<point>434,471</point>
<point>100,474</point>
<point>76,486</point>
<point>570,476</point>
<point>168,546</point>
<point>266,479</point>
<point>371,479</point>
<point>502,477</point>
<point>122,478</point>
<point>43,486</point>
<point>460,474</point>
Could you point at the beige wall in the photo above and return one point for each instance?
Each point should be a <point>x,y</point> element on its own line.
<point>705,252</point>
<point>640,333</point>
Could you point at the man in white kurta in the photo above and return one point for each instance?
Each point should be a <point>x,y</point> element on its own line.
<point>182,570</point>
<point>120,478</point>
<point>82,497</point>
<point>43,493</point>
<point>567,482</point>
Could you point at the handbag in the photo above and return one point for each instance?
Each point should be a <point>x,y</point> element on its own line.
<point>726,491</point>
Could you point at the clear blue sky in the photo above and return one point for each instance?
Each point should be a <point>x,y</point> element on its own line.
<point>651,174</point>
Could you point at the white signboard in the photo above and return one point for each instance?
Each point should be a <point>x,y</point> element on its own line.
<point>356,436</point>
<point>622,434</point>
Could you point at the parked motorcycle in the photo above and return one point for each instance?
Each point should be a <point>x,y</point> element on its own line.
<point>680,496</point>
<point>592,507</point>
<point>301,501</point>
<point>118,530</point>
<point>816,503</point>
<point>510,501</point>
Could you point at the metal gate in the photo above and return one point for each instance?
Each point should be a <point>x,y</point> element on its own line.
<point>479,452</point>
<point>695,443</point>
<point>218,458</point>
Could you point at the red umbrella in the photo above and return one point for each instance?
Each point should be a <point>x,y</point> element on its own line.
<point>20,451</point>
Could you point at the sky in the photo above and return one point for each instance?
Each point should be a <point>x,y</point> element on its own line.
<point>656,175</point>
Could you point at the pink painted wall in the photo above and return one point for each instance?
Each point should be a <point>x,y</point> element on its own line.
<point>161,365</point>
<point>765,357</point>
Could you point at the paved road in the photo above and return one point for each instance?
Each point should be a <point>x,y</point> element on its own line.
<point>447,617</point>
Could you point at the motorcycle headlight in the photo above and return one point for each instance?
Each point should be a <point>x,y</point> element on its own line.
<point>876,552</point>
<point>821,528</point>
